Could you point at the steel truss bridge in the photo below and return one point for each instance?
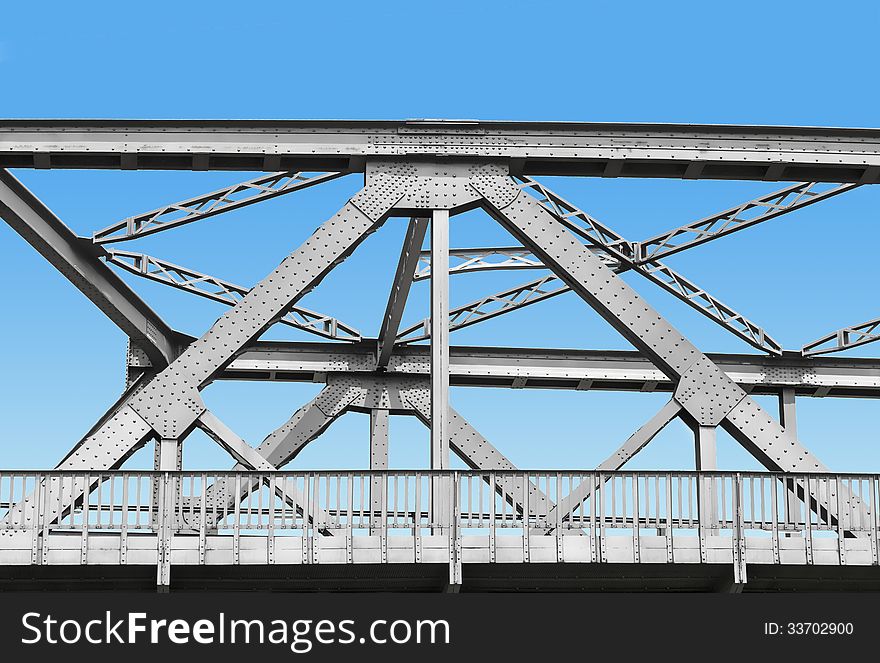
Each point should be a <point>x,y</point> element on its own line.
<point>89,522</point>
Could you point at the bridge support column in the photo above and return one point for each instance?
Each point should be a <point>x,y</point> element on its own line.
<point>378,461</point>
<point>169,458</point>
<point>788,419</point>
<point>440,508</point>
<point>707,460</point>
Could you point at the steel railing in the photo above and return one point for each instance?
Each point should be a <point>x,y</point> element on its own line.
<point>388,503</point>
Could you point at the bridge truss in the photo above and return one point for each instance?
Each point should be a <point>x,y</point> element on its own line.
<point>428,172</point>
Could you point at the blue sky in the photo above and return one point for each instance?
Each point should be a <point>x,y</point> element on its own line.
<point>756,63</point>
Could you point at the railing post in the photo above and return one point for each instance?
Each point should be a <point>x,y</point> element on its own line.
<point>306,512</point>
<point>808,526</point>
<point>703,513</point>
<point>166,508</point>
<point>875,524</point>
<point>37,528</point>
<point>270,537</point>
<point>453,486</point>
<point>84,540</point>
<point>841,526</point>
<point>526,515</point>
<point>383,527</point>
<point>560,543</point>
<point>493,497</point>
<point>349,517</point>
<point>599,512</point>
<point>637,553</point>
<point>668,532</point>
<point>123,525</point>
<point>774,509</point>
<point>203,518</point>
<point>417,519</point>
<point>236,524</point>
<point>739,544</point>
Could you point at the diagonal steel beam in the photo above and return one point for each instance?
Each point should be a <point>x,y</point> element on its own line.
<point>220,496</point>
<point>703,390</point>
<point>284,443</point>
<point>225,292</point>
<point>403,278</point>
<point>79,262</point>
<point>588,228</point>
<point>209,204</point>
<point>844,339</point>
<point>169,405</point>
<point>243,453</point>
<point>713,308</point>
<point>753,212</point>
<point>635,443</point>
<point>512,299</point>
<point>479,454</point>
<point>649,251</point>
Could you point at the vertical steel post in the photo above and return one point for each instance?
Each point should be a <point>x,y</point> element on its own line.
<point>788,419</point>
<point>166,509</point>
<point>440,340</point>
<point>707,460</point>
<point>440,362</point>
<point>378,461</point>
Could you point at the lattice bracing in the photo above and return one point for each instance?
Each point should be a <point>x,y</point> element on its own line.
<point>225,292</point>
<point>757,210</point>
<point>210,204</point>
<point>585,226</point>
<point>844,339</point>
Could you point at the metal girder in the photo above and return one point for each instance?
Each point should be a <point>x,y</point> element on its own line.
<point>790,154</point>
<point>403,278</point>
<point>225,292</point>
<point>757,210</point>
<point>209,204</point>
<point>585,226</point>
<point>79,262</point>
<point>539,368</point>
<point>244,453</point>
<point>844,339</point>
<point>490,307</point>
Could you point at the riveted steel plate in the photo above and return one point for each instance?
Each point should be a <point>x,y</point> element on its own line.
<point>171,415</point>
<point>707,393</point>
<point>110,443</point>
<point>783,451</point>
<point>425,186</point>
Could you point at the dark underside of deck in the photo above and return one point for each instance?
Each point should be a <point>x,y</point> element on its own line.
<point>433,578</point>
